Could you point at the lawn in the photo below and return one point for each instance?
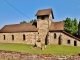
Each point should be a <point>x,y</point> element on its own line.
<point>51,49</point>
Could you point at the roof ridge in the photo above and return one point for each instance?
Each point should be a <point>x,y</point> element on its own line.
<point>18,24</point>
<point>46,9</point>
<point>59,21</point>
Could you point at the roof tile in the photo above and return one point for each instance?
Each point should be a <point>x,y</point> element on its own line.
<point>19,27</point>
<point>57,25</point>
<point>44,12</point>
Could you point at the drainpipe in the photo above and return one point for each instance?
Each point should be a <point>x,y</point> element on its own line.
<point>35,39</point>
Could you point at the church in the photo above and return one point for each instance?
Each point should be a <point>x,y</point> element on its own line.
<point>44,30</point>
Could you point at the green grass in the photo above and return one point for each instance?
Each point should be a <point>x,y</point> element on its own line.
<point>51,49</point>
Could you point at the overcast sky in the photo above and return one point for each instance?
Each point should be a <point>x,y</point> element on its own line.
<point>16,11</point>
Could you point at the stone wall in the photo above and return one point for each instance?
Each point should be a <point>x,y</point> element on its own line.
<point>11,55</point>
<point>42,35</point>
<point>30,37</point>
<point>44,26</point>
<point>64,39</point>
<point>50,20</point>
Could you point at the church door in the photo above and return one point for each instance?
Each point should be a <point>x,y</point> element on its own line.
<point>75,43</point>
<point>59,42</point>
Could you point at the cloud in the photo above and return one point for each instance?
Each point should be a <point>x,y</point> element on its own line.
<point>78,6</point>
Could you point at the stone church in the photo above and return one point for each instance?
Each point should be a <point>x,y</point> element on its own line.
<point>44,30</point>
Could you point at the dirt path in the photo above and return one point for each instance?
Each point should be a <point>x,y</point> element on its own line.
<point>5,43</point>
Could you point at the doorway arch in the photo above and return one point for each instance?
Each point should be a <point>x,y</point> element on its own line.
<point>59,42</point>
<point>75,43</point>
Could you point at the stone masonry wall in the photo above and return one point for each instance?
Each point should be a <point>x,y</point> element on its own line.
<point>64,39</point>
<point>43,29</point>
<point>44,26</point>
<point>30,37</point>
<point>42,35</point>
<point>11,55</point>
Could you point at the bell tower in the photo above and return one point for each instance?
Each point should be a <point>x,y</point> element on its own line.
<point>44,20</point>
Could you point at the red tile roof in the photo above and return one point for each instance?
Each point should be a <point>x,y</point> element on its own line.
<point>44,12</point>
<point>19,28</point>
<point>57,26</point>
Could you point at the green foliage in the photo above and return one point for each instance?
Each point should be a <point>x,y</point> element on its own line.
<point>33,21</point>
<point>29,22</point>
<point>23,22</point>
<point>71,26</point>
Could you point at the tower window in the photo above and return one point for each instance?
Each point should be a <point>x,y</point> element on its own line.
<point>42,17</point>
<point>23,37</point>
<point>12,37</point>
<point>54,35</point>
<point>68,41</point>
<point>37,17</point>
<point>4,37</point>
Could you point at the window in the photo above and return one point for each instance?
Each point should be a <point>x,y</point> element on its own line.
<point>4,37</point>
<point>12,37</point>
<point>42,17</point>
<point>68,41</point>
<point>23,37</point>
<point>54,35</point>
<point>37,17</point>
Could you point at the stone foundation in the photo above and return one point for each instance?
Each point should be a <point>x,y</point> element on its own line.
<point>11,55</point>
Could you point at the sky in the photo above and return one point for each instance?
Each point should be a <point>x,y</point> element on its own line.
<point>16,11</point>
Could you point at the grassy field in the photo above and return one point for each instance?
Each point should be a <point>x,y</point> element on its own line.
<point>51,49</point>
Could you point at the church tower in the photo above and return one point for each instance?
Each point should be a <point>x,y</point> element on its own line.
<point>44,20</point>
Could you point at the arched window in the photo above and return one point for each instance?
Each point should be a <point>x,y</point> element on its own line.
<point>54,35</point>
<point>23,36</point>
<point>12,37</point>
<point>68,41</point>
<point>4,37</point>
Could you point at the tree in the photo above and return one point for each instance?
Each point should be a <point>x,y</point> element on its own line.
<point>23,22</point>
<point>33,21</point>
<point>29,22</point>
<point>71,26</point>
